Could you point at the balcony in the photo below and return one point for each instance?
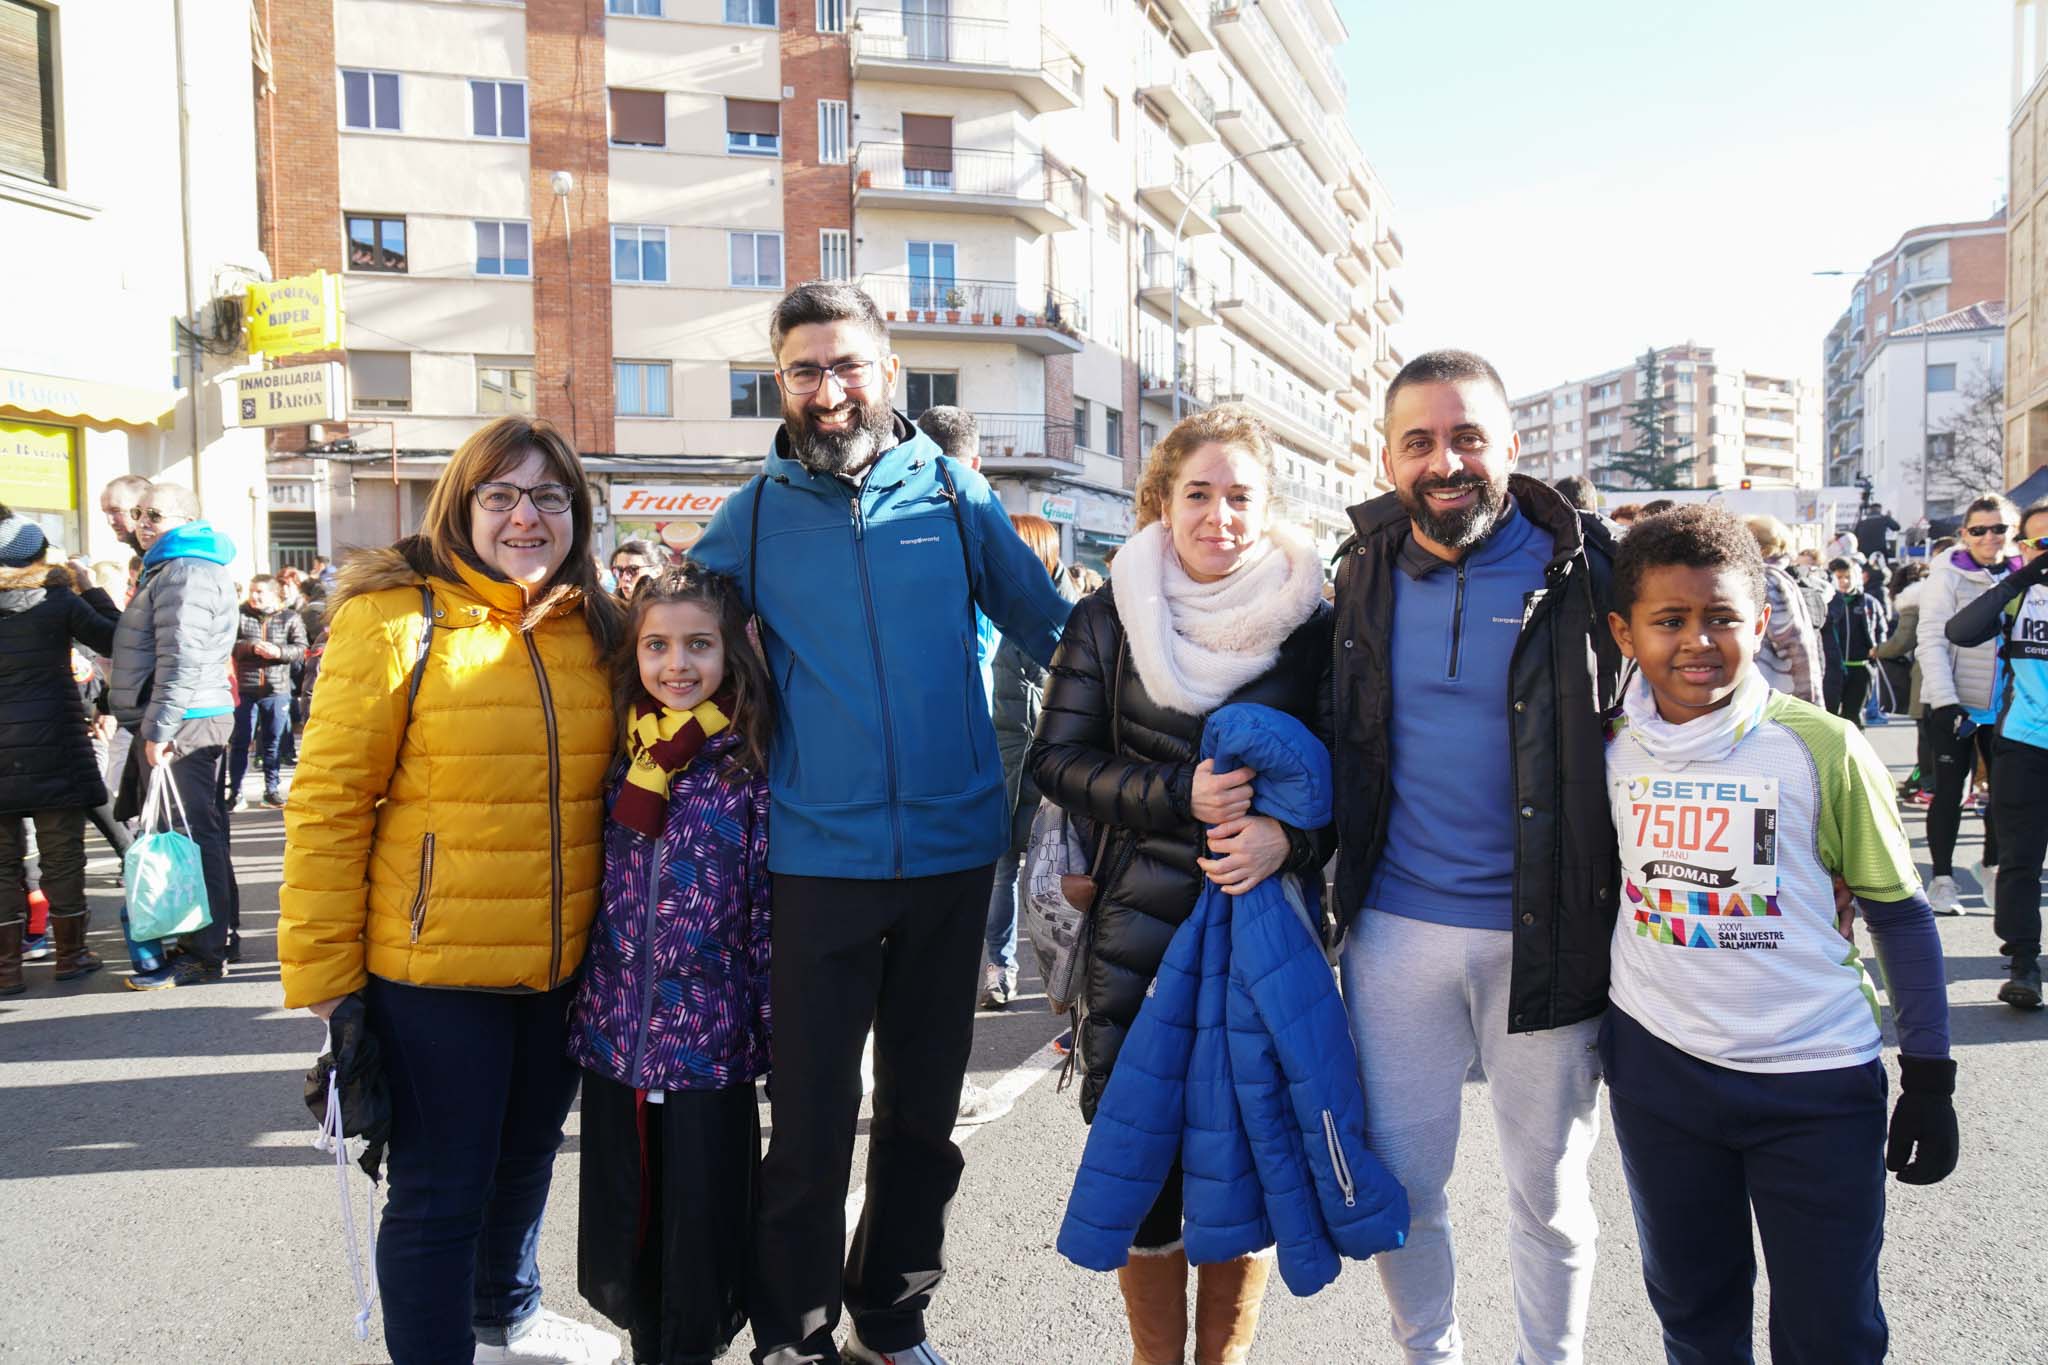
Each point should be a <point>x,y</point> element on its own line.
<point>1022,441</point>
<point>1259,310</point>
<point>1248,127</point>
<point>1388,248</point>
<point>1764,426</point>
<point>1043,321</point>
<point>1354,331</point>
<point>1388,305</point>
<point>1352,399</point>
<point>984,54</point>
<point>1166,291</point>
<point>1185,18</point>
<point>1027,186</point>
<point>1167,187</point>
<point>1164,79</point>
<point>1352,199</point>
<point>1255,220</point>
<point>1310,426</point>
<point>1248,36</point>
<point>1312,50</point>
<point>1353,267</point>
<point>1197,387</point>
<point>1386,367</point>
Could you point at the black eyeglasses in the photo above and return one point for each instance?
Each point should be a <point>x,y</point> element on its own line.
<point>1996,528</point>
<point>804,380</point>
<point>503,497</point>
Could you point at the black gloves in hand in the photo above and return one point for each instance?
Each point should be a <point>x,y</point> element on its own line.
<point>1924,1144</point>
<point>1947,721</point>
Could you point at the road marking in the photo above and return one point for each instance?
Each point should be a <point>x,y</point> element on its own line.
<point>1012,1086</point>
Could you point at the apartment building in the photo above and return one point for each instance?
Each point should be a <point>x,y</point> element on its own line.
<point>1739,427</point>
<point>1928,273</point>
<point>2026,263</point>
<point>586,211</point>
<point>1917,386</point>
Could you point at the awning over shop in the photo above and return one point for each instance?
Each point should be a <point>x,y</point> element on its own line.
<point>106,407</point>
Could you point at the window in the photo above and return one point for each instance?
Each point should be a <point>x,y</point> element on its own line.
<point>1113,433</point>
<point>28,93</point>
<point>504,386</point>
<point>831,16</point>
<point>1116,126</point>
<point>639,118</point>
<point>1884,278</point>
<point>835,253</point>
<point>754,394</point>
<point>497,109</point>
<point>639,255</point>
<point>376,243</point>
<point>642,387</point>
<point>1081,422</point>
<point>1941,378</point>
<point>369,99</point>
<point>930,389</point>
<point>501,249</point>
<point>753,127</point>
<point>759,13</point>
<point>832,132</point>
<point>648,9</point>
<point>928,151</point>
<point>756,259</point>
<point>1148,436</point>
<point>931,274</point>
<point>380,381</point>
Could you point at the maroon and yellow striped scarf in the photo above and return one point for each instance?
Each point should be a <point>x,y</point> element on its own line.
<point>660,742</point>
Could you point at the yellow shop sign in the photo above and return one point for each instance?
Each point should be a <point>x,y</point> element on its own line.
<point>294,316</point>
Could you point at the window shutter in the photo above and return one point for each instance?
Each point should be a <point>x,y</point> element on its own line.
<point>753,116</point>
<point>380,376</point>
<point>639,116</point>
<point>927,142</point>
<point>28,109</point>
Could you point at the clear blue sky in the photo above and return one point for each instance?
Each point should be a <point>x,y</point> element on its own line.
<point>1575,181</point>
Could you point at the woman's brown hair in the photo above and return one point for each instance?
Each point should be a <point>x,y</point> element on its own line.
<point>1229,424</point>
<point>746,673</point>
<point>492,451</point>
<point>1042,536</point>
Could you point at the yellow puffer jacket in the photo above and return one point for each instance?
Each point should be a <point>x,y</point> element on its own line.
<point>465,848</point>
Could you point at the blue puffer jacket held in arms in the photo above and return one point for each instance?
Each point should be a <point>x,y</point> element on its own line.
<point>1241,1061</point>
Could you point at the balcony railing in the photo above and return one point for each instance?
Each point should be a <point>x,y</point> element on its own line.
<point>1160,67</point>
<point>1323,55</point>
<point>1026,436</point>
<point>1315,121</point>
<point>1289,318</point>
<point>1310,414</point>
<point>1026,177</point>
<point>895,35</point>
<point>1243,190</point>
<point>1312,197</point>
<point>985,303</point>
<point>1159,168</point>
<point>1196,386</point>
<point>1158,273</point>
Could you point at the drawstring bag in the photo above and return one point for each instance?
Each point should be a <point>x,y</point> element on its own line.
<point>346,1092</point>
<point>165,877</point>
<point>1058,891</point>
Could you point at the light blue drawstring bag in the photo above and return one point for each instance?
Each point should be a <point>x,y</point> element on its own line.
<point>166,880</point>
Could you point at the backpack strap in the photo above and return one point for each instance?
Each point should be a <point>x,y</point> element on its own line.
<point>754,543</point>
<point>960,523</point>
<point>419,658</point>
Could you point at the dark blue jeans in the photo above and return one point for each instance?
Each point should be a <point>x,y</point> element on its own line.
<point>1703,1145</point>
<point>266,720</point>
<point>480,1085</point>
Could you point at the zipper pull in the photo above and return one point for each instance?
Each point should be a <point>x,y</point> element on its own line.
<point>853,515</point>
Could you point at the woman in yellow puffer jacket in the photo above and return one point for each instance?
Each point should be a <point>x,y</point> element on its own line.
<point>443,853</point>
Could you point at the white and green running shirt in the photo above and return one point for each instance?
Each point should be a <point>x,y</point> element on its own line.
<point>1726,945</point>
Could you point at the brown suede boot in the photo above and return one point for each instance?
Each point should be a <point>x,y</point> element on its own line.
<point>1156,1302</point>
<point>74,959</point>
<point>10,958</point>
<point>1227,1299</point>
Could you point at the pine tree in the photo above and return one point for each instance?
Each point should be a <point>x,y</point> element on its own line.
<point>1653,459</point>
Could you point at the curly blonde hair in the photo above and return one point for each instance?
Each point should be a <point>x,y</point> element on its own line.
<point>1229,424</point>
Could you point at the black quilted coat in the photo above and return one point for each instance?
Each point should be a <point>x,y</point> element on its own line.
<point>46,760</point>
<point>1150,882</point>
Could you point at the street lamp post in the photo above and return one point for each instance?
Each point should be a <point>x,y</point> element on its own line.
<point>1194,196</point>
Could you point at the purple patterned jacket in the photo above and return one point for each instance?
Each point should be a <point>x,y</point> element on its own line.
<point>674,993</point>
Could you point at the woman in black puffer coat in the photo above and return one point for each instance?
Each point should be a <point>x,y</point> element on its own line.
<point>1208,604</point>
<point>47,771</point>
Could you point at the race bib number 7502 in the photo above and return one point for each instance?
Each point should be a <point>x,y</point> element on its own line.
<point>1696,853</point>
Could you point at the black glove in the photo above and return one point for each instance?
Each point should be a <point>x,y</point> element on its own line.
<point>353,1059</point>
<point>1923,1144</point>
<point>2036,571</point>
<point>1948,721</point>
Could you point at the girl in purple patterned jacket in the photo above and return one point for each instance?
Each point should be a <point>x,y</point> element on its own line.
<point>670,1021</point>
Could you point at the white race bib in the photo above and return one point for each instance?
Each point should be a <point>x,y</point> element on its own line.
<point>1699,859</point>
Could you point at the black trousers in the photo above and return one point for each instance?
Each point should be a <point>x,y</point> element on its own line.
<point>1855,688</point>
<point>60,853</point>
<point>903,956</point>
<point>1954,761</point>
<point>2019,815</point>
<point>665,1228</point>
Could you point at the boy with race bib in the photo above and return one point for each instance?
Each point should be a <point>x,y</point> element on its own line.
<point>1742,1047</point>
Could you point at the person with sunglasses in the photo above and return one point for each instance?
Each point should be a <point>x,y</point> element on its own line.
<point>633,561</point>
<point>1956,687</point>
<point>121,504</point>
<point>2015,614</point>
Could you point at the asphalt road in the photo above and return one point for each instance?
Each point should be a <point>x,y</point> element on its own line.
<point>160,1202</point>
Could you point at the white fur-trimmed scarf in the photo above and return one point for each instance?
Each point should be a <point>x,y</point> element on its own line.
<point>1195,644</point>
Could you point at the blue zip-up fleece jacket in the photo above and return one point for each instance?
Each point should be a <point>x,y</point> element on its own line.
<point>1241,1061</point>
<point>884,762</point>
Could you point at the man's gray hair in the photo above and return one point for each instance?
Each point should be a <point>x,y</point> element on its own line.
<point>824,301</point>
<point>957,431</point>
<point>174,498</point>
<point>126,486</point>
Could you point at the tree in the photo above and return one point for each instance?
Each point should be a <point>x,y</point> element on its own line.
<point>1966,455</point>
<point>1655,459</point>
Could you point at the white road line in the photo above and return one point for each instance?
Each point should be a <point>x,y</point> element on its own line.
<point>1012,1086</point>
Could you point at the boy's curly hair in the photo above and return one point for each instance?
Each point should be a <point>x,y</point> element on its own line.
<point>1697,536</point>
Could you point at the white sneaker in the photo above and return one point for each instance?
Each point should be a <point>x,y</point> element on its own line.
<point>1987,879</point>
<point>920,1354</point>
<point>1943,896</point>
<point>978,1105</point>
<point>548,1338</point>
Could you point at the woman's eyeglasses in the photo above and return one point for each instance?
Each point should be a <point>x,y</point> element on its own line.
<point>1996,528</point>
<point>503,497</point>
<point>804,380</point>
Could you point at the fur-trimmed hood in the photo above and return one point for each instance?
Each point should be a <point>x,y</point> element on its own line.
<point>24,587</point>
<point>410,562</point>
<point>375,568</point>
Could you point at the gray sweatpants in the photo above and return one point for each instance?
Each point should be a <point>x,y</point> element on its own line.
<point>1428,1006</point>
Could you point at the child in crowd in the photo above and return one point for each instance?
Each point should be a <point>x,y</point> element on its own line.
<point>1742,1049</point>
<point>670,1022</point>
<point>1856,626</point>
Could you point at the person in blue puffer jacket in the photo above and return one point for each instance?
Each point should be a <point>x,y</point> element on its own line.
<point>1243,1033</point>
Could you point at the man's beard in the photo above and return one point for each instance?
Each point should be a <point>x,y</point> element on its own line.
<point>1456,528</point>
<point>839,452</point>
